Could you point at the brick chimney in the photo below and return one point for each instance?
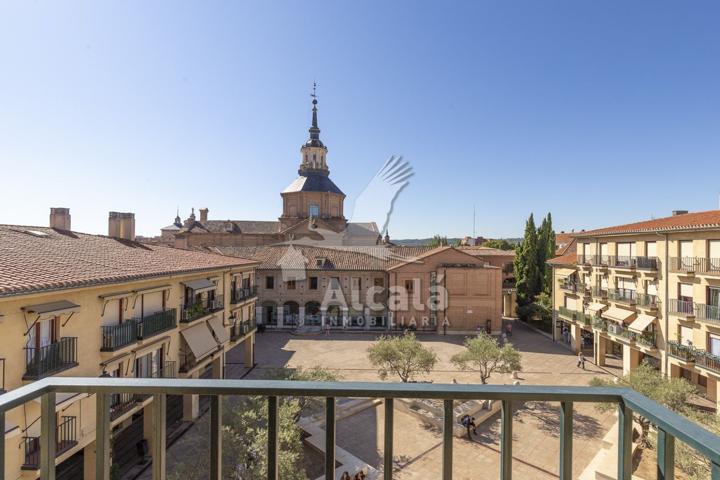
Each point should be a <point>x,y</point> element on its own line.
<point>679,212</point>
<point>60,218</point>
<point>121,225</point>
<point>203,214</point>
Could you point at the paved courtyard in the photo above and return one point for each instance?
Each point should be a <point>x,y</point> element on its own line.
<point>417,448</point>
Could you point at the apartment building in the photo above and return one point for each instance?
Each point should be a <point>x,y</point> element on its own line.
<point>73,304</point>
<point>646,291</point>
<point>378,288</point>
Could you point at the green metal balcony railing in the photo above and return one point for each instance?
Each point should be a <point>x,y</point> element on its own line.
<point>600,292</point>
<point>705,266</point>
<point>644,263</point>
<point>242,294</point>
<point>240,329</point>
<point>681,307</point>
<point>623,295</point>
<point>678,350</point>
<point>575,316</point>
<point>569,286</point>
<point>130,331</point>
<point>647,338</point>
<point>65,438</point>
<point>706,359</point>
<point>670,425</point>
<point>709,313</point>
<point>193,311</point>
<point>50,359</point>
<point>647,300</point>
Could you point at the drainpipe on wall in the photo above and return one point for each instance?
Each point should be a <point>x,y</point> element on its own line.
<point>666,317</point>
<point>552,296</point>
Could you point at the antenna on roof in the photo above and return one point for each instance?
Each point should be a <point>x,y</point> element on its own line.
<point>473,220</point>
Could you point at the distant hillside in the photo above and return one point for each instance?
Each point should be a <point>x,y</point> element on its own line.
<point>414,242</point>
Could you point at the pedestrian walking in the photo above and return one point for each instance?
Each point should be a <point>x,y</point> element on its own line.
<point>508,329</point>
<point>327,328</point>
<point>581,361</point>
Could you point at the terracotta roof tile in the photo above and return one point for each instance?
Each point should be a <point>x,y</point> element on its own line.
<point>687,221</point>
<point>35,259</point>
<point>487,252</point>
<point>567,259</point>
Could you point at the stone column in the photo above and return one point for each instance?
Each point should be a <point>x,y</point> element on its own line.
<point>301,316</point>
<point>249,346</point>
<point>147,427</point>
<point>191,405</point>
<point>345,319</point>
<point>89,459</point>
<point>600,346</point>
<point>631,359</point>
<point>218,366</point>
<point>323,319</point>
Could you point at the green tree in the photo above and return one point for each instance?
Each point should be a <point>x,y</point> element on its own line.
<point>245,435</point>
<point>500,244</point>
<point>485,356</point>
<point>672,393</point>
<point>402,355</point>
<point>527,274</point>
<point>438,241</point>
<point>545,251</point>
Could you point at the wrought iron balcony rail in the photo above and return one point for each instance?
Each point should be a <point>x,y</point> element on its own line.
<point>670,425</point>
<point>50,359</point>
<point>681,307</point>
<point>570,286</point>
<point>645,263</point>
<point>700,357</point>
<point>678,350</point>
<point>65,438</point>
<point>623,295</point>
<point>193,311</point>
<point>575,316</point>
<point>130,331</point>
<point>240,329</point>
<point>241,294</point>
<point>708,266</point>
<point>701,311</point>
<point>648,300</point>
<point>647,338</point>
<point>598,291</point>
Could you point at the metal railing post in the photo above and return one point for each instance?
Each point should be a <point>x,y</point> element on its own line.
<point>216,437</point>
<point>665,455</point>
<point>448,421</point>
<point>388,451</point>
<point>624,442</point>
<point>330,438</point>
<point>102,437</point>
<point>158,446</point>
<point>506,441</point>
<point>566,440</point>
<point>48,436</point>
<point>272,448</point>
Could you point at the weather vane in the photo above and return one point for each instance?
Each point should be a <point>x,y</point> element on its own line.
<point>314,94</point>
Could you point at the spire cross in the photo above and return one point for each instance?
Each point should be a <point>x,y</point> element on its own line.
<point>314,93</point>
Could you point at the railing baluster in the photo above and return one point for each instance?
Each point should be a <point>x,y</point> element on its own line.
<point>272,448</point>
<point>215,437</point>
<point>102,436</point>
<point>624,442</point>
<point>665,455</point>
<point>330,438</point>
<point>448,422</point>
<point>506,441</point>
<point>158,446</point>
<point>48,436</point>
<point>566,440</point>
<point>388,452</point>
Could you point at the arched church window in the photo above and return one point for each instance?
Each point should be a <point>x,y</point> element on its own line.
<point>314,157</point>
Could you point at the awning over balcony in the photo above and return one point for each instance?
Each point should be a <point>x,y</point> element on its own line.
<point>618,314</point>
<point>200,340</point>
<point>55,308</point>
<point>595,307</point>
<point>199,286</point>
<point>161,288</point>
<point>641,323</point>
<point>220,332</point>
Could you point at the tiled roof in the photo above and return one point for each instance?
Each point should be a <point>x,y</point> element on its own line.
<point>563,242</point>
<point>234,226</point>
<point>487,252</point>
<point>313,183</point>
<point>34,259</point>
<point>567,259</point>
<point>341,258</point>
<point>687,221</point>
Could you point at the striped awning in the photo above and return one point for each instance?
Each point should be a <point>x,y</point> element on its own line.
<point>617,314</point>
<point>201,285</point>
<point>595,307</point>
<point>200,340</point>
<point>221,333</point>
<point>641,323</point>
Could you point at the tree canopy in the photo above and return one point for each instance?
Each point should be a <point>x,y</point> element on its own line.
<point>402,355</point>
<point>485,356</point>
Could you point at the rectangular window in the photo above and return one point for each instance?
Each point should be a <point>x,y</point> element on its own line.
<point>651,288</point>
<point>685,252</point>
<point>335,283</point>
<point>624,250</point>
<point>714,255</point>
<point>686,335</point>
<point>269,282</point>
<point>604,250</point>
<point>713,296</point>
<point>356,283</point>
<point>685,292</point>
<point>626,283</point>
<point>313,283</point>
<point>570,303</point>
<point>714,344</point>
<point>314,210</point>
<point>650,249</point>
<point>290,285</point>
<point>409,286</point>
<point>379,282</point>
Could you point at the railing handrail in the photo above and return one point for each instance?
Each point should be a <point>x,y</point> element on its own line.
<point>680,427</point>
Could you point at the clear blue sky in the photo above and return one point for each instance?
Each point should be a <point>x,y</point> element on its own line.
<point>590,110</point>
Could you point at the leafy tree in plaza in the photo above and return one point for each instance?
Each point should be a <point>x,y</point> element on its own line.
<point>500,244</point>
<point>672,393</point>
<point>485,356</point>
<point>245,435</point>
<point>527,274</point>
<point>438,241</point>
<point>545,251</point>
<point>402,355</point>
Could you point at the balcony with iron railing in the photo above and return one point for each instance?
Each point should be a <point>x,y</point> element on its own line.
<point>50,359</point>
<point>647,338</point>
<point>633,262</point>
<point>693,265</point>
<point>575,316</point>
<point>599,292</point>
<point>194,311</point>
<point>622,295</point>
<point>707,360</point>
<point>647,300</point>
<point>684,308</point>
<point>670,426</point>
<point>65,439</point>
<point>239,329</point>
<point>707,313</point>
<point>570,286</point>
<point>130,331</point>
<point>680,351</point>
<point>242,294</point>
